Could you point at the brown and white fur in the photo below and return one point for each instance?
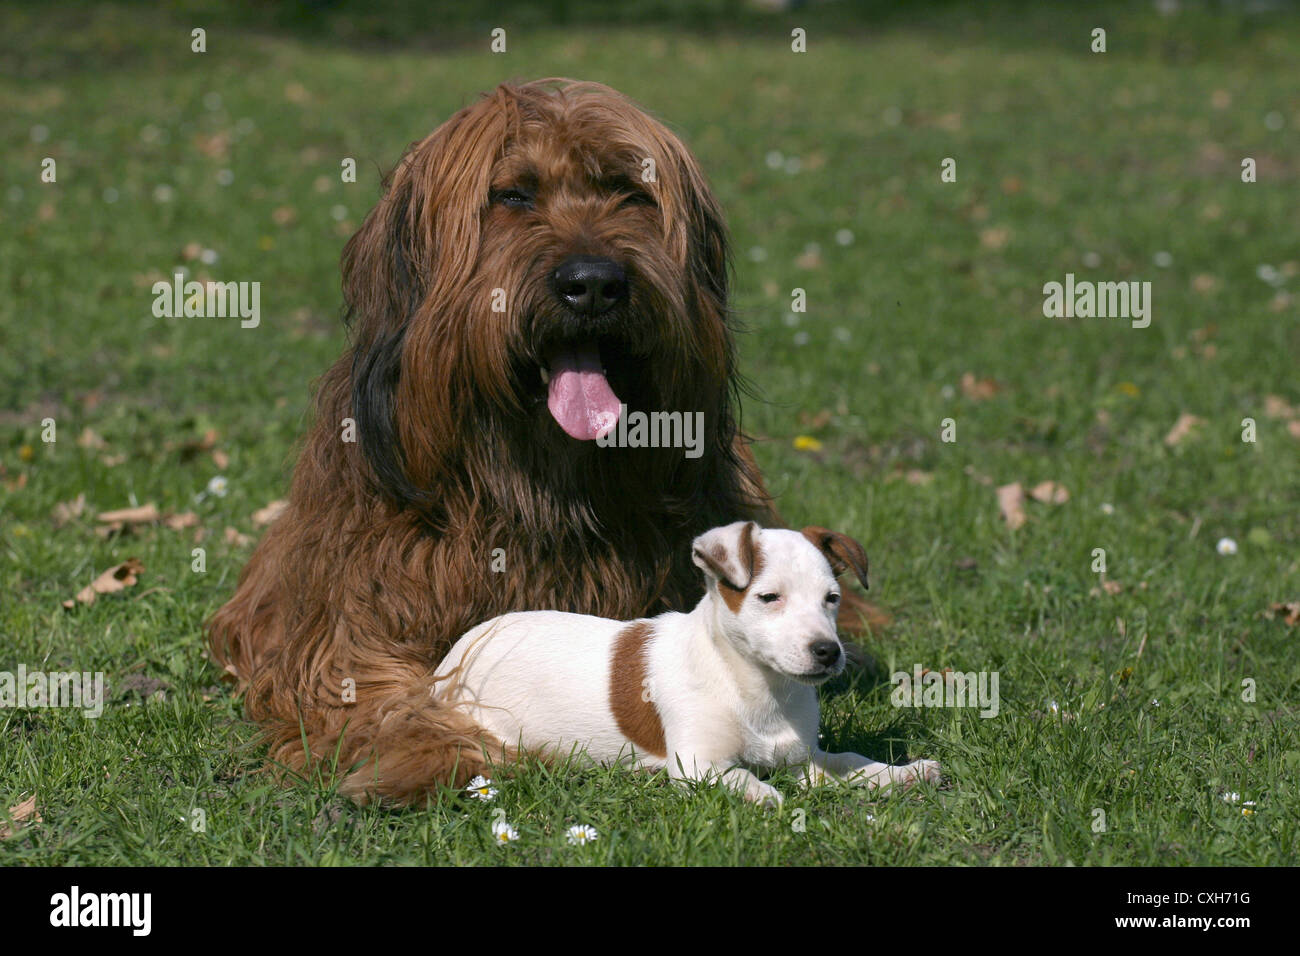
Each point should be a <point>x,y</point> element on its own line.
<point>705,694</point>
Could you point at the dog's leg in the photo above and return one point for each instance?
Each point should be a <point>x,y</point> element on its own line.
<point>683,769</point>
<point>858,771</point>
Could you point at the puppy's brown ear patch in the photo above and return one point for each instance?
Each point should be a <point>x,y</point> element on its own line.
<point>732,556</point>
<point>840,550</point>
<point>636,717</point>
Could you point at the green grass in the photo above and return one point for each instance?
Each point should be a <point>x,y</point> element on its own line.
<point>1068,161</point>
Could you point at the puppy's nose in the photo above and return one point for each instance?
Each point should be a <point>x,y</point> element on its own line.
<point>590,285</point>
<point>825,653</point>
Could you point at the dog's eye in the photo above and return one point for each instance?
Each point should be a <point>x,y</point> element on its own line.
<point>832,598</point>
<point>515,198</point>
<point>636,197</point>
<point>769,598</point>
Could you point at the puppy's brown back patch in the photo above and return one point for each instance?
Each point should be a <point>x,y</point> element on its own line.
<point>636,717</point>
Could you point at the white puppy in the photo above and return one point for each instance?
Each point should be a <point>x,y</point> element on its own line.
<point>705,694</point>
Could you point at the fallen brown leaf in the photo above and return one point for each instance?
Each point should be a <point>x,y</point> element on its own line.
<point>995,237</point>
<point>1110,587</point>
<point>978,389</point>
<point>809,259</point>
<point>1011,501</point>
<point>89,438</point>
<point>144,514</point>
<point>1182,428</point>
<point>24,812</point>
<point>115,579</point>
<point>1289,611</point>
<point>233,536</point>
<point>181,521</point>
<point>191,448</point>
<point>1050,493</point>
<point>66,511</point>
<point>264,516</point>
<point>220,459</point>
<point>816,420</point>
<point>1275,406</point>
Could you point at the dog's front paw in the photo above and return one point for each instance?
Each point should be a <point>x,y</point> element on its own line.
<point>765,795</point>
<point>927,770</point>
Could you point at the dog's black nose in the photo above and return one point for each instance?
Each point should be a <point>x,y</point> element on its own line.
<point>590,285</point>
<point>825,653</point>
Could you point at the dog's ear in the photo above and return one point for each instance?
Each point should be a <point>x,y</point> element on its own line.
<point>841,551</point>
<point>696,229</point>
<point>729,554</point>
<point>418,242</point>
<point>381,291</point>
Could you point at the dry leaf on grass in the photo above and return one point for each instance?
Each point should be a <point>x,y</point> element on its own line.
<point>816,420</point>
<point>181,521</point>
<point>994,237</point>
<point>24,812</point>
<point>1275,406</point>
<point>220,459</point>
<point>1289,611</point>
<point>1294,428</point>
<point>1011,501</point>
<point>810,258</point>
<point>145,514</point>
<point>1182,428</point>
<point>233,536</point>
<point>1050,493</point>
<point>978,389</point>
<point>1110,587</point>
<point>193,447</point>
<point>123,576</point>
<point>66,511</point>
<point>264,516</point>
<point>91,439</point>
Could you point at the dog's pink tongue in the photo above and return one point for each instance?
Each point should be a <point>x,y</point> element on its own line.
<point>579,397</point>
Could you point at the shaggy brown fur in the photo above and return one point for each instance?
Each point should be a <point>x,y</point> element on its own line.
<point>392,545</point>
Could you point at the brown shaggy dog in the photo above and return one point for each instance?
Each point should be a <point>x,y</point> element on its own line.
<point>546,254</point>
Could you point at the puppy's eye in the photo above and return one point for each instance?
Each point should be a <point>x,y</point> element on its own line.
<point>514,198</point>
<point>832,598</point>
<point>769,598</point>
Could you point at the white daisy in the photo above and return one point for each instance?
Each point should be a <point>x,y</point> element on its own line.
<point>503,832</point>
<point>582,834</point>
<point>480,788</point>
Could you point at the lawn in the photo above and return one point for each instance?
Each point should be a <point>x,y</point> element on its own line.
<point>1140,708</point>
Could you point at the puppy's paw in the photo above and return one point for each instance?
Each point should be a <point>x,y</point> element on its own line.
<point>927,770</point>
<point>765,795</point>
